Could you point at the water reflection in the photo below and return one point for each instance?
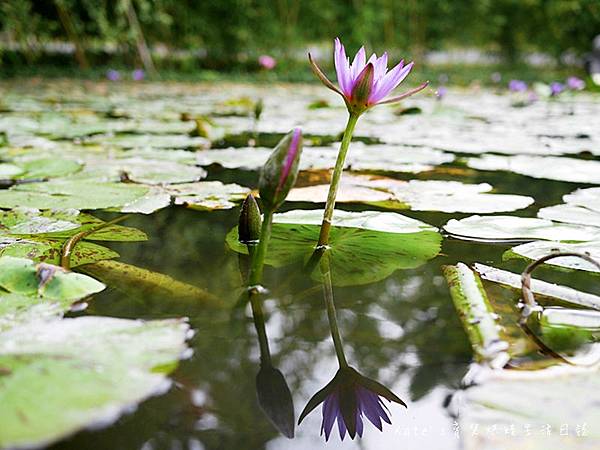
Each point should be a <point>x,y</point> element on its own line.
<point>348,396</point>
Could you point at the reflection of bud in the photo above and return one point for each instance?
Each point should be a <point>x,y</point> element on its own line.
<point>250,221</point>
<point>275,399</point>
<point>349,397</point>
<point>279,173</point>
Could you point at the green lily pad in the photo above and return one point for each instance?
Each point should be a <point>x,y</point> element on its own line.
<point>365,247</point>
<point>547,167</point>
<point>23,276</point>
<point>50,250</point>
<point>64,194</point>
<point>60,376</point>
<point>510,228</point>
<point>444,196</point>
<point>58,224</point>
<point>207,195</point>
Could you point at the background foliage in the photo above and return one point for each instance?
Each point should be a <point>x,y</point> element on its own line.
<point>224,33</point>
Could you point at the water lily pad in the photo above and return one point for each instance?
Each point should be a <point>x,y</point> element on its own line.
<point>551,408</point>
<point>62,375</point>
<point>571,214</point>
<point>362,157</point>
<point>58,224</point>
<point>444,196</point>
<point>547,167</point>
<point>535,250</point>
<point>207,195</point>
<point>23,276</point>
<point>64,194</point>
<point>152,141</point>
<point>365,247</point>
<point>510,228</point>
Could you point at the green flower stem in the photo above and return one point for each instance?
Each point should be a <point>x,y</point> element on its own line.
<point>258,258</point>
<point>331,314</point>
<point>259,323</point>
<point>335,180</point>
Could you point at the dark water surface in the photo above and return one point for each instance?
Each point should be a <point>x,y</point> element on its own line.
<point>403,331</point>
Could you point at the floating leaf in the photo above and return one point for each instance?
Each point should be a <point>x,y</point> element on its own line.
<point>548,167</point>
<point>510,228</point>
<point>64,194</point>
<point>445,196</point>
<point>50,250</point>
<point>535,250</point>
<point>62,375</point>
<point>152,141</point>
<point>364,247</point>
<point>207,195</point>
<point>362,158</point>
<point>56,224</point>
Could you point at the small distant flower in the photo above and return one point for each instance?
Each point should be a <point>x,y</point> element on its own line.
<point>267,62</point>
<point>441,92</point>
<point>138,75</point>
<point>365,83</point>
<point>517,86</point>
<point>113,75</point>
<point>556,88</point>
<point>533,97</point>
<point>496,77</point>
<point>575,84</point>
<point>349,397</point>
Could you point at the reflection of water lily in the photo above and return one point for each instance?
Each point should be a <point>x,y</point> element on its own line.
<point>349,397</point>
<point>365,83</point>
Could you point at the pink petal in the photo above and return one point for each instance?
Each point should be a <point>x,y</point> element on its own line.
<point>393,78</point>
<point>342,67</point>
<point>380,67</point>
<point>358,65</point>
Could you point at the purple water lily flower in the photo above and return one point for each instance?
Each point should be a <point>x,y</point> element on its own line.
<point>267,62</point>
<point>575,83</point>
<point>556,88</point>
<point>441,92</point>
<point>138,75</point>
<point>113,75</point>
<point>517,86</point>
<point>365,83</point>
<point>349,397</point>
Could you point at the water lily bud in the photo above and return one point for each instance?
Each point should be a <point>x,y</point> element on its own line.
<point>250,221</point>
<point>275,399</point>
<point>279,173</point>
<point>359,99</point>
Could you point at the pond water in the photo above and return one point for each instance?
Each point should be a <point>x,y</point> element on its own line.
<point>401,328</point>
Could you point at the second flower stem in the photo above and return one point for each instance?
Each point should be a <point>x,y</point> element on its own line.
<point>258,257</point>
<point>335,180</point>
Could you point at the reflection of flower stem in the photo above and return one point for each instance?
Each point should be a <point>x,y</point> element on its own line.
<point>258,258</point>
<point>331,314</point>
<point>259,324</point>
<point>335,180</point>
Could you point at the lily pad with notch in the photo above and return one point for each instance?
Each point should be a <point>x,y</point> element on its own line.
<point>365,247</point>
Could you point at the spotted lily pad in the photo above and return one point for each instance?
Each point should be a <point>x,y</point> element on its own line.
<point>365,247</point>
<point>444,196</point>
